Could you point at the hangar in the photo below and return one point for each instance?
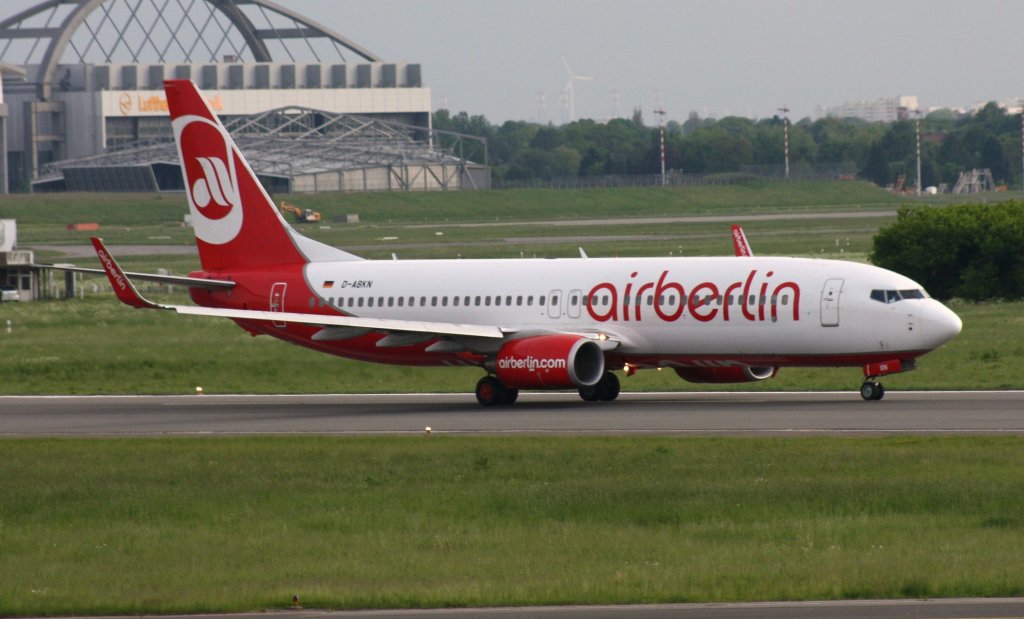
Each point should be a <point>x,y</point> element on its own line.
<point>312,110</point>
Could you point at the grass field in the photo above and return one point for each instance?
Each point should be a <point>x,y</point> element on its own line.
<point>93,346</point>
<point>58,210</point>
<point>196,525</point>
<point>97,345</point>
<point>134,526</point>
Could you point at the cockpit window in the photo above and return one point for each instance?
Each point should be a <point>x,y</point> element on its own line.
<point>892,296</point>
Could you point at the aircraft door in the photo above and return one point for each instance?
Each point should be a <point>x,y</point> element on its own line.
<point>830,302</point>
<point>277,300</point>
<point>554,302</point>
<point>575,303</point>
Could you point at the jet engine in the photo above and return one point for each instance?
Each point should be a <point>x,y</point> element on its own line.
<point>731,374</point>
<point>549,362</point>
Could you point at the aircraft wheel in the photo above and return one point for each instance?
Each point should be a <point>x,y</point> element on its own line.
<point>489,391</point>
<point>590,394</point>
<point>509,396</point>
<point>608,389</point>
<point>872,390</point>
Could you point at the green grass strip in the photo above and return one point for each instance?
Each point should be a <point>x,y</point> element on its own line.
<point>232,524</point>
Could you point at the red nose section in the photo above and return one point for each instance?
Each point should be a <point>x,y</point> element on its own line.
<point>235,221</point>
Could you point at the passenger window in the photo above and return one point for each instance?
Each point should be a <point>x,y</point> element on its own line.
<point>497,300</point>
<point>508,300</point>
<point>455,301</point>
<point>433,301</point>
<point>391,301</point>
<point>444,301</point>
<point>476,301</point>
<point>423,301</point>
<point>369,302</point>
<point>360,301</point>
<point>401,301</point>
<point>554,299</point>
<point>529,300</point>
<point>466,302</point>
<point>519,300</point>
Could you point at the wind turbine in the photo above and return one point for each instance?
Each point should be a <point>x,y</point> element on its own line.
<point>569,92</point>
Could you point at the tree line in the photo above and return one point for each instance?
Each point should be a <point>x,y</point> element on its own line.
<point>879,152</point>
<point>970,251</point>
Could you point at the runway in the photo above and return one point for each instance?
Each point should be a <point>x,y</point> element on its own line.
<point>696,413</point>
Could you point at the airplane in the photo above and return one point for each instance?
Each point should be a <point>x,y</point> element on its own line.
<point>544,324</point>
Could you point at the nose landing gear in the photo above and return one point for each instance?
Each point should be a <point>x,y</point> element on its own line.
<point>872,390</point>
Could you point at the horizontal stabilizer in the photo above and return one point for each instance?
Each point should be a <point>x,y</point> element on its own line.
<point>174,280</point>
<point>128,295</point>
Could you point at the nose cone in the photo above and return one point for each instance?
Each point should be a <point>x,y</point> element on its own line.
<point>940,324</point>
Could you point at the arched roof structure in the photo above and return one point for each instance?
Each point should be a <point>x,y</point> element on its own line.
<point>58,32</point>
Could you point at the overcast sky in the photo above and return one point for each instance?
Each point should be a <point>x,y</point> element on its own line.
<point>742,57</point>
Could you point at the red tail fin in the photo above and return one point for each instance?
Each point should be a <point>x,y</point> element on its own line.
<point>235,222</point>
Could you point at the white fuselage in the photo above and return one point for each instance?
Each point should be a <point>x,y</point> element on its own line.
<point>752,309</point>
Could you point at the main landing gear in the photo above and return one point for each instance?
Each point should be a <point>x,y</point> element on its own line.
<point>606,389</point>
<point>490,392</point>
<point>872,390</point>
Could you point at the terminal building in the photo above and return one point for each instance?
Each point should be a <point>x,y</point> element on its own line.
<point>310,109</point>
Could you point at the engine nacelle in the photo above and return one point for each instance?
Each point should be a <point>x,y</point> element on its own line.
<point>731,374</point>
<point>549,362</point>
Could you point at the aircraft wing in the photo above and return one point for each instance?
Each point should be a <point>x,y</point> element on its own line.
<point>127,294</point>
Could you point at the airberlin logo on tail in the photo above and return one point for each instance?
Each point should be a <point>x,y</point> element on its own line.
<point>211,181</point>
<point>217,185</point>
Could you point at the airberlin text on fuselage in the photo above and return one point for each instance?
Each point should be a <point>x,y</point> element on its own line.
<point>702,299</point>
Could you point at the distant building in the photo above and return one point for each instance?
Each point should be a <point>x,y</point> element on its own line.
<point>884,110</point>
<point>84,80</point>
<point>13,71</point>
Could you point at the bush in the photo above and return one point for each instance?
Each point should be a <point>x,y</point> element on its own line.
<point>971,251</point>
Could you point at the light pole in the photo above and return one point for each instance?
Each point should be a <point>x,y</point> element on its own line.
<point>785,135</point>
<point>661,125</point>
<point>917,136</point>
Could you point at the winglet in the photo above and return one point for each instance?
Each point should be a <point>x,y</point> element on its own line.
<point>739,242</point>
<point>123,287</point>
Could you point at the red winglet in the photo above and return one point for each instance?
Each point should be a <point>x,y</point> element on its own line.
<point>123,287</point>
<point>739,242</point>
